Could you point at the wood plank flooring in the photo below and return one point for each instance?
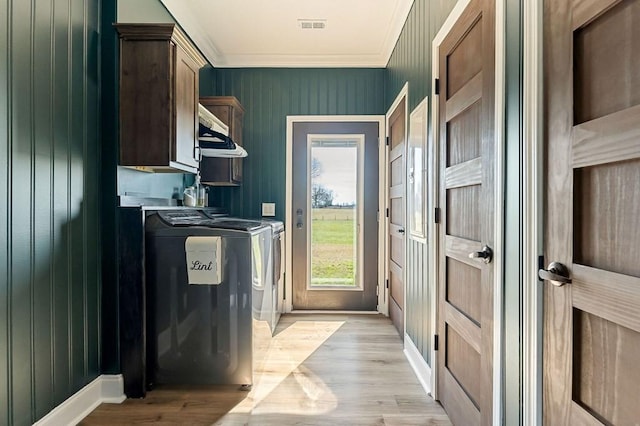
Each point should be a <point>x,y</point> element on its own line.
<point>318,370</point>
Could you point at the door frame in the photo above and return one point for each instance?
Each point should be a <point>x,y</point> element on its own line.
<point>288,223</point>
<point>499,159</point>
<point>533,211</point>
<point>403,93</point>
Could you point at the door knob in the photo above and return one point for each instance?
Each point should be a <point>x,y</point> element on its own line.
<point>486,254</point>
<point>401,231</point>
<point>556,273</point>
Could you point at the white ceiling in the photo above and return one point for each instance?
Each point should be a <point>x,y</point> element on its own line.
<point>267,33</point>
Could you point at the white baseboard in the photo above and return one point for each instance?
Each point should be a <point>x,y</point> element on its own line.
<point>417,362</point>
<point>104,389</point>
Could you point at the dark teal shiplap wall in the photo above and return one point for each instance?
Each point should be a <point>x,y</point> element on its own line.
<point>108,187</point>
<point>49,225</point>
<point>411,62</point>
<point>269,95</point>
<point>411,58</point>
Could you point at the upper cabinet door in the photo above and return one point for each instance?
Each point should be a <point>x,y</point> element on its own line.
<point>158,98</point>
<point>186,112</point>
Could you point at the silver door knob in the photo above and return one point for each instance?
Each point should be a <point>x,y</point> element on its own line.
<point>556,273</point>
<point>486,254</point>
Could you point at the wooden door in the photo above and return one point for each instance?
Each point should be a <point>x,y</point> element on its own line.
<point>396,127</point>
<point>592,324</point>
<point>467,144</point>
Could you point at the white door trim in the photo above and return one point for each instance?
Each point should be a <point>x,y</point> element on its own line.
<point>498,225</point>
<point>288,303</point>
<point>498,302</point>
<point>404,92</point>
<point>532,206</point>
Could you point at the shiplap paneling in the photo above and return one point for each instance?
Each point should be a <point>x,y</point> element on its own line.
<point>411,58</point>
<point>50,255</point>
<point>109,345</point>
<point>269,95</point>
<point>418,321</point>
<point>411,62</point>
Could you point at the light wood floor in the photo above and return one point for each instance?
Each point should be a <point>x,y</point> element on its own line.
<point>319,370</point>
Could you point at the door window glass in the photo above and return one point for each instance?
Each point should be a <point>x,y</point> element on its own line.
<point>335,208</point>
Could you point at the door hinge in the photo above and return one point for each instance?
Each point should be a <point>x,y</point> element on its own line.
<point>437,215</point>
<point>387,212</point>
<point>387,283</point>
<point>436,86</point>
<point>435,342</point>
<point>387,141</point>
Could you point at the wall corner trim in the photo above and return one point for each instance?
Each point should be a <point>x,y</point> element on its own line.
<point>104,389</point>
<point>418,364</point>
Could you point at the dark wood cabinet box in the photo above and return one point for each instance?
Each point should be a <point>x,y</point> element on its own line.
<point>158,98</point>
<point>224,171</point>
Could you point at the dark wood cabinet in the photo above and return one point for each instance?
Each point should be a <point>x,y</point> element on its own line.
<point>158,98</point>
<point>224,171</point>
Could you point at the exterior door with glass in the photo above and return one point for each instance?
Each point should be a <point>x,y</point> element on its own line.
<point>335,227</point>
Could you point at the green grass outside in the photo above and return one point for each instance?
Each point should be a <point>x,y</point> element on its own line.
<point>333,247</point>
<point>333,214</point>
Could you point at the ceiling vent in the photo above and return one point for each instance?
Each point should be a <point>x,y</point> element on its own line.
<point>312,24</point>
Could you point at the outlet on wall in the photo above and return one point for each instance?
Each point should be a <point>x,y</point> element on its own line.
<point>268,209</point>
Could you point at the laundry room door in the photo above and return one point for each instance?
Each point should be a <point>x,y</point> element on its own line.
<point>334,209</point>
<point>397,133</point>
<point>592,224</point>
<point>467,191</point>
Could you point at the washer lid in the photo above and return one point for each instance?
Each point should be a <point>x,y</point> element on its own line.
<point>235,223</point>
<point>183,217</point>
<point>199,218</point>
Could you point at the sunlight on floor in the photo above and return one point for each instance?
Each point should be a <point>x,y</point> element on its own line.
<point>284,357</point>
<point>320,370</point>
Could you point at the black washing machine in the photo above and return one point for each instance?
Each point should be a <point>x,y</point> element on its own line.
<point>201,278</point>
